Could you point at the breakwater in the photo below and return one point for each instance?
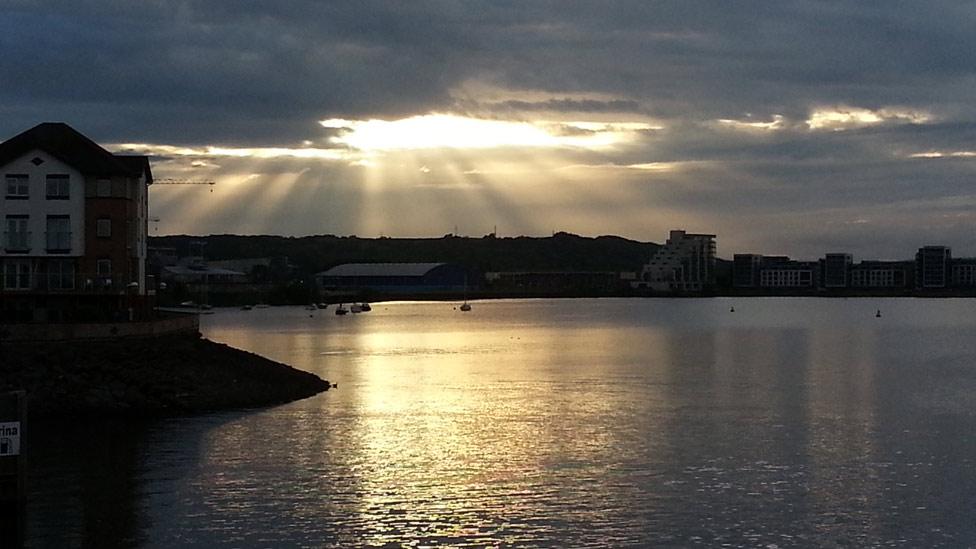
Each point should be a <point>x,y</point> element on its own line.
<point>153,376</point>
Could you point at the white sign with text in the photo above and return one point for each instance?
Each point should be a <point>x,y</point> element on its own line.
<point>10,438</point>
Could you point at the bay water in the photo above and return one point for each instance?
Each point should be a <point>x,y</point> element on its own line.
<point>786,422</point>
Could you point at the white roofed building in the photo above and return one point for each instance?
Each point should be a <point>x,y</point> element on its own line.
<point>393,278</point>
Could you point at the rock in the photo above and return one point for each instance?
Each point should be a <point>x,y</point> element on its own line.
<point>152,376</point>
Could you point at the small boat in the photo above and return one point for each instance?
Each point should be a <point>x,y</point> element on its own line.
<point>341,310</point>
<point>355,308</point>
<point>246,308</point>
<point>322,305</point>
<point>732,309</point>
<point>365,307</point>
<point>878,314</point>
<point>261,306</point>
<point>310,307</point>
<point>464,306</point>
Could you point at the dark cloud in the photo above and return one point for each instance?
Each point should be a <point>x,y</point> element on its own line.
<point>244,74</point>
<point>566,105</point>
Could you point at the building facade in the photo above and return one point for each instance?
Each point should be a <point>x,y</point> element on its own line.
<point>932,267</point>
<point>745,270</point>
<point>74,228</point>
<point>836,270</point>
<point>963,273</point>
<point>881,274</point>
<point>789,274</point>
<point>685,263</point>
<point>395,278</point>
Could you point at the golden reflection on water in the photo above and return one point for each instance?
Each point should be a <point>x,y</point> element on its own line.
<point>518,421</point>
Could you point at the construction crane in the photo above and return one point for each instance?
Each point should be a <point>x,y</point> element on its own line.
<point>178,181</point>
<point>181,181</point>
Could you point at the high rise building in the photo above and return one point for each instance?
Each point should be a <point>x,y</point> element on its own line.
<point>685,263</point>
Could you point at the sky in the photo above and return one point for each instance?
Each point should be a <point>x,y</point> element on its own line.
<point>787,127</point>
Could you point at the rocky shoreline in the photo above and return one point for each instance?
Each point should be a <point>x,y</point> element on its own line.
<point>161,376</point>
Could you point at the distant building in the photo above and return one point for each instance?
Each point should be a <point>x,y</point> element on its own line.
<point>74,228</point>
<point>881,274</point>
<point>963,273</point>
<point>259,269</point>
<point>836,270</point>
<point>932,267</point>
<point>777,273</point>
<point>558,282</point>
<point>745,270</point>
<point>202,274</point>
<point>394,278</point>
<point>685,263</point>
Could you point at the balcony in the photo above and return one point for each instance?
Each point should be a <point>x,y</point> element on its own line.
<point>17,242</point>
<point>65,281</point>
<point>58,242</point>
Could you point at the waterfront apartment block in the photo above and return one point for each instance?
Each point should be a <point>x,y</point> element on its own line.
<point>685,263</point>
<point>882,274</point>
<point>74,228</point>
<point>745,270</point>
<point>963,273</point>
<point>789,274</point>
<point>932,267</point>
<point>836,269</point>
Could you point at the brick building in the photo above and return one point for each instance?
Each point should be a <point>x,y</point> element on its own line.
<point>74,229</point>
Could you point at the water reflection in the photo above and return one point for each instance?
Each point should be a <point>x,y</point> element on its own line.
<point>585,423</point>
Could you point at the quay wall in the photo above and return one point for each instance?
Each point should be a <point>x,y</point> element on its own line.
<point>171,324</point>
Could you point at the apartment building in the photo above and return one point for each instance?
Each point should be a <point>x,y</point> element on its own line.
<point>932,267</point>
<point>685,263</point>
<point>74,228</point>
<point>836,268</point>
<point>881,274</point>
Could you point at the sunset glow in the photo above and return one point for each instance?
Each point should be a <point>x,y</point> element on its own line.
<point>433,131</point>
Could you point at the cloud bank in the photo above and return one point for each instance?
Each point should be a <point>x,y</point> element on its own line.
<point>794,127</point>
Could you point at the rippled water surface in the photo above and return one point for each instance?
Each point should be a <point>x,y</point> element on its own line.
<point>570,423</point>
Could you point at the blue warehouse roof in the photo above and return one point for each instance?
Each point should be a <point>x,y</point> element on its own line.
<point>381,269</point>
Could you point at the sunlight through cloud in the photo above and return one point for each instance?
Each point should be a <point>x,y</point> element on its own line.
<point>944,154</point>
<point>235,152</point>
<point>777,123</point>
<point>842,118</point>
<point>445,131</point>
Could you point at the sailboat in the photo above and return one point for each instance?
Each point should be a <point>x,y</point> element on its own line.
<point>341,310</point>
<point>465,306</point>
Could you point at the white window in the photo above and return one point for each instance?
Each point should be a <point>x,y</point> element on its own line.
<point>61,274</point>
<point>58,233</point>
<point>18,185</point>
<point>16,236</point>
<point>57,186</point>
<point>103,227</point>
<point>103,187</point>
<point>17,274</point>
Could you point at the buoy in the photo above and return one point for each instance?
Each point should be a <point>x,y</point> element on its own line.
<point>878,314</point>
<point>732,309</point>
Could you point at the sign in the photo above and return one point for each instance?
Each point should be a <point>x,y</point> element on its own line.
<point>10,438</point>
